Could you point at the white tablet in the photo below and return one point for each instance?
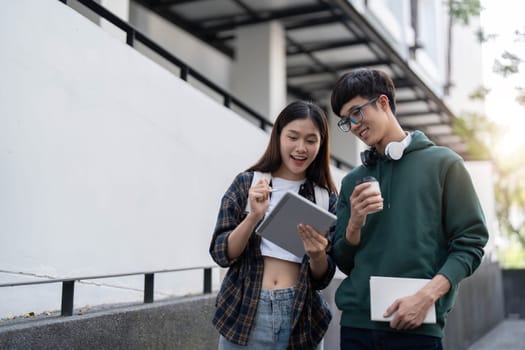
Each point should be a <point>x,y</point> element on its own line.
<point>280,226</point>
<point>385,290</point>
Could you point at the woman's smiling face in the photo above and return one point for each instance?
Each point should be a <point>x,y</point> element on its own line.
<point>300,141</point>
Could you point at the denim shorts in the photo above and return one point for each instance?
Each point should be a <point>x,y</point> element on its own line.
<point>272,327</point>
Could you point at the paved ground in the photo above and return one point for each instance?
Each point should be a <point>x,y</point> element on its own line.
<point>508,335</point>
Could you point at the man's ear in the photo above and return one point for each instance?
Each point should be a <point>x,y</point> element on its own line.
<point>383,102</point>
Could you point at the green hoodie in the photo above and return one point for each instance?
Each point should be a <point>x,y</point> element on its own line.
<point>431,223</point>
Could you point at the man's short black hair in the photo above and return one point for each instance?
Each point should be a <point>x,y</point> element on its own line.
<point>362,82</point>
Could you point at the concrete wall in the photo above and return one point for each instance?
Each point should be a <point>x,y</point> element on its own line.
<point>178,324</point>
<point>514,287</point>
<point>479,307</point>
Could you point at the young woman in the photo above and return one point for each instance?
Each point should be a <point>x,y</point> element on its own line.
<point>269,298</point>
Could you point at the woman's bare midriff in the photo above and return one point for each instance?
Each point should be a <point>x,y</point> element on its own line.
<point>279,274</point>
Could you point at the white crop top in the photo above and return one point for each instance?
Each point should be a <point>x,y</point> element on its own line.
<point>280,186</point>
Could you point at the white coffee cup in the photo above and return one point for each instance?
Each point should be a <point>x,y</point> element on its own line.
<point>374,187</point>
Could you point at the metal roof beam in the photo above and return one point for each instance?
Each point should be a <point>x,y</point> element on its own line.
<point>299,71</point>
<point>264,16</point>
<point>417,113</point>
<point>313,22</point>
<point>411,100</point>
<point>322,46</point>
<point>324,67</point>
<point>164,4</point>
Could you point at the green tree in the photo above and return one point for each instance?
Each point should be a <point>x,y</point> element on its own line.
<point>481,134</point>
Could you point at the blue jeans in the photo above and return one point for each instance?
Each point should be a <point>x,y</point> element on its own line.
<point>272,327</point>
<point>367,339</point>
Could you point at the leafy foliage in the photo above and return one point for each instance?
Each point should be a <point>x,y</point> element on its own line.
<point>481,134</point>
<point>509,64</point>
<point>521,95</point>
<point>480,93</point>
<point>463,10</point>
<point>484,37</point>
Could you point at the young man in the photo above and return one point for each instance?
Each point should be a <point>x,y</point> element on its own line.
<point>426,221</point>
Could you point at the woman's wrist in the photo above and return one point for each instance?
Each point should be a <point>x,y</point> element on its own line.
<point>252,219</point>
<point>318,257</point>
<point>319,265</point>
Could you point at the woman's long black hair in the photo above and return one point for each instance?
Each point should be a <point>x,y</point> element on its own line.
<point>319,171</point>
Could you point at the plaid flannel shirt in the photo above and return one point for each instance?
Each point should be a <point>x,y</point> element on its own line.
<point>239,295</point>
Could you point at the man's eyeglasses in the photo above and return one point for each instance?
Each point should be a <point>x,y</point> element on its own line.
<point>354,116</point>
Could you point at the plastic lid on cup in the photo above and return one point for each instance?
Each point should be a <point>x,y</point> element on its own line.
<point>365,179</point>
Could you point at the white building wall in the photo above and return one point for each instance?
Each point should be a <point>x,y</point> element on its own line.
<point>467,69</point>
<point>392,19</point>
<point>482,176</point>
<point>109,163</point>
<point>205,59</point>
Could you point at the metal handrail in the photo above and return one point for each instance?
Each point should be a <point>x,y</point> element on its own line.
<point>133,35</point>
<point>68,284</point>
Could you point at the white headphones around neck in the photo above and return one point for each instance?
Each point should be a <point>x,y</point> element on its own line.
<point>394,150</point>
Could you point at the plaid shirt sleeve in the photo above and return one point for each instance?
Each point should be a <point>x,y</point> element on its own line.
<point>325,280</point>
<point>231,213</point>
<point>238,298</point>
